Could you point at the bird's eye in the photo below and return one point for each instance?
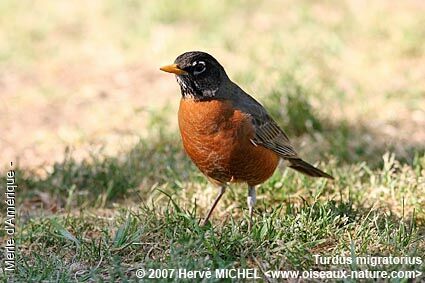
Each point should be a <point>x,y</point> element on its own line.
<point>198,67</point>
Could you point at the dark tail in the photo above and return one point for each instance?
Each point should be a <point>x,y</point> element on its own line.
<point>308,169</point>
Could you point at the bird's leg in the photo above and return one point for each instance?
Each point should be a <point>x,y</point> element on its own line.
<point>220,194</point>
<point>251,199</point>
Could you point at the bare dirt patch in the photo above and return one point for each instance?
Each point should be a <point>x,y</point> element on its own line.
<point>107,108</point>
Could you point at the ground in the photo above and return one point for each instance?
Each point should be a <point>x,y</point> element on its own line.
<point>105,187</point>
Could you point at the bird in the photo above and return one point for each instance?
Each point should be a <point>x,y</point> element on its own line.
<point>228,134</point>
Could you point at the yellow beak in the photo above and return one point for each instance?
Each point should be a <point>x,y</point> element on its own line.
<point>173,69</point>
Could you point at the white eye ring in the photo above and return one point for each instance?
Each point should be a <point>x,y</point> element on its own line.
<point>198,63</point>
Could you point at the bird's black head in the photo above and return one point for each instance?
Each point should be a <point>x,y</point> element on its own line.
<point>198,74</point>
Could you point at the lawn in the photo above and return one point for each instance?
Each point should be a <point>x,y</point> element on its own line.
<point>105,188</point>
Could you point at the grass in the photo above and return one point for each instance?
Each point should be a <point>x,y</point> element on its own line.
<point>105,187</point>
<point>141,209</point>
<point>111,249</point>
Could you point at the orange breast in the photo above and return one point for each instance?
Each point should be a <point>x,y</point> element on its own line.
<point>217,139</point>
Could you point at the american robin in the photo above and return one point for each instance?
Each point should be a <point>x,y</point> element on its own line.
<point>227,133</point>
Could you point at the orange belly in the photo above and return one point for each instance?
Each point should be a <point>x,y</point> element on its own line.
<point>217,139</point>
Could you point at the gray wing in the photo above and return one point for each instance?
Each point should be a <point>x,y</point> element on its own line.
<point>267,132</point>
<point>269,135</point>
